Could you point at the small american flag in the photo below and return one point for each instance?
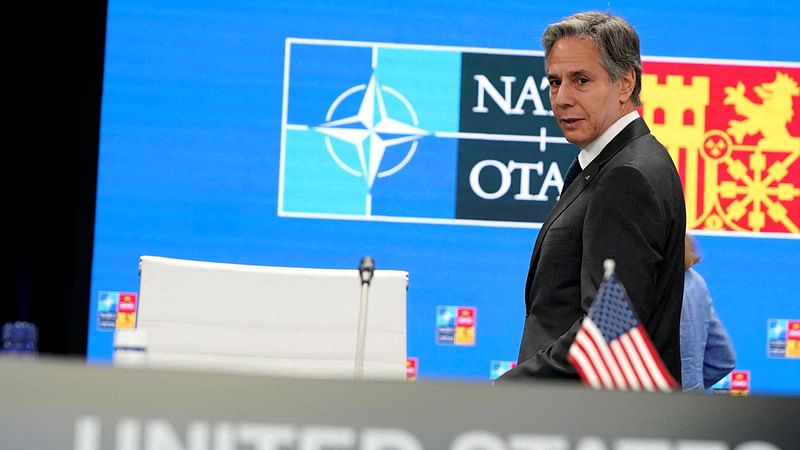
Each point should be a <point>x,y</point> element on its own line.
<point>612,349</point>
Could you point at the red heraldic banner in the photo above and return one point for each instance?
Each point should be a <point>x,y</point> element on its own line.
<point>733,130</point>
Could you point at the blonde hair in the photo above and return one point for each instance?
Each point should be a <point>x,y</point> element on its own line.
<point>691,255</point>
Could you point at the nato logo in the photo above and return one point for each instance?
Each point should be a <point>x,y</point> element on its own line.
<point>389,132</point>
<point>499,367</point>
<point>776,337</point>
<point>455,325</point>
<point>107,310</point>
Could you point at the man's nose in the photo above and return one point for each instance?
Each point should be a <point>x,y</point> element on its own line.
<point>563,96</point>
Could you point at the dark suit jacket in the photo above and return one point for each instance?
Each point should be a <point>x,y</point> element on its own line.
<point>627,205</point>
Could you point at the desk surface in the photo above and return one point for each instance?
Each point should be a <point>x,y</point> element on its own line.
<point>55,403</point>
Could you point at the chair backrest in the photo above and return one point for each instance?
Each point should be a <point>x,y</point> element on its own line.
<point>283,321</point>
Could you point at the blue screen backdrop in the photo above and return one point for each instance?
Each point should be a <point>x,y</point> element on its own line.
<point>194,156</point>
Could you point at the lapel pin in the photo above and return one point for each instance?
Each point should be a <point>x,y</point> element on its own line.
<point>588,177</point>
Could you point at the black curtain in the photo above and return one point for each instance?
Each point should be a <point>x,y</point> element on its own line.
<point>55,63</point>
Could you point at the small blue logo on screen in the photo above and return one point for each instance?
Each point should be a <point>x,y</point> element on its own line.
<point>446,324</point>
<point>107,310</point>
<point>499,367</point>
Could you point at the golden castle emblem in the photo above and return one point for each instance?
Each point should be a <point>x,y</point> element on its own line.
<point>741,177</point>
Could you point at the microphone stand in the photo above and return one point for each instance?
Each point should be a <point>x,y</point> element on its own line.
<point>365,270</point>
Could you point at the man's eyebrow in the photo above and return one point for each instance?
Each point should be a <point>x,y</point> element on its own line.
<point>579,72</point>
<point>572,74</point>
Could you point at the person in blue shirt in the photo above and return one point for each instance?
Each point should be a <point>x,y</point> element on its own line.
<point>707,353</point>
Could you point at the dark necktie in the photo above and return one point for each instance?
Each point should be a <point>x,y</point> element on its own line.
<point>572,172</point>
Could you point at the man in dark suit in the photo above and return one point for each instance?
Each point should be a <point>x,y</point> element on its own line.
<point>625,203</point>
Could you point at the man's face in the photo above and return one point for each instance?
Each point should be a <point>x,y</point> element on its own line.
<point>584,100</point>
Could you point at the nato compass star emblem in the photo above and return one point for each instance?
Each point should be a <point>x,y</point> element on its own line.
<point>371,130</point>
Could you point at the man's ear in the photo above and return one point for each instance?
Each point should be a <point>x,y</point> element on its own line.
<point>626,85</point>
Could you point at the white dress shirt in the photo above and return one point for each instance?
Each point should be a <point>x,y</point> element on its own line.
<point>588,154</point>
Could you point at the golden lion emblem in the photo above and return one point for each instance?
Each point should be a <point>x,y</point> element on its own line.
<point>769,117</point>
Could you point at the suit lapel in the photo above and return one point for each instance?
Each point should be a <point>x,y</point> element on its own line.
<point>633,130</point>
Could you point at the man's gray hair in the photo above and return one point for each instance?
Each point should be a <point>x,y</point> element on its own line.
<point>616,41</point>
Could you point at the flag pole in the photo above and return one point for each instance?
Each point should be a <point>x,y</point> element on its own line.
<point>608,267</point>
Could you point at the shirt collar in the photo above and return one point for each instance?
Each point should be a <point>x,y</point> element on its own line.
<point>588,154</point>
